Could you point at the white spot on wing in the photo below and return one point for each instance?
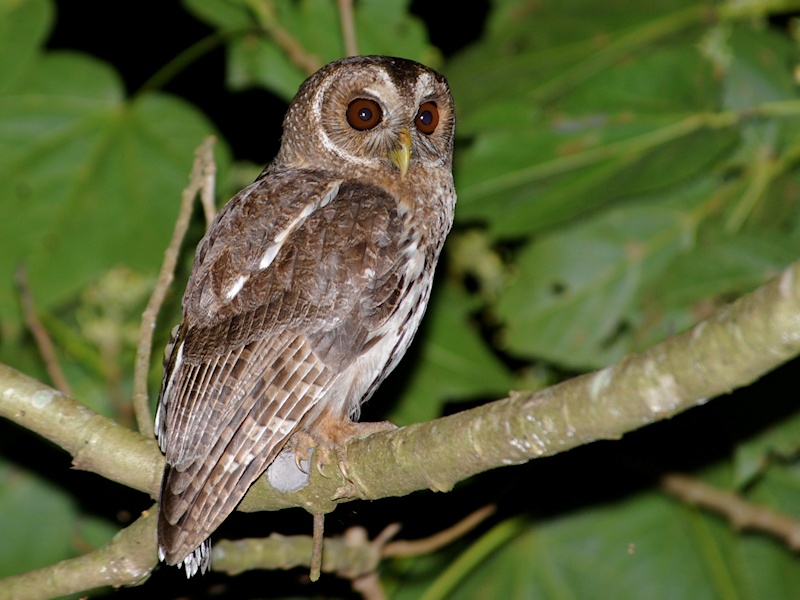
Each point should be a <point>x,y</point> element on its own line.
<point>230,464</point>
<point>282,426</point>
<point>333,189</point>
<point>176,365</point>
<point>236,287</point>
<point>159,418</point>
<point>269,256</point>
<point>256,432</point>
<point>286,426</point>
<point>275,247</point>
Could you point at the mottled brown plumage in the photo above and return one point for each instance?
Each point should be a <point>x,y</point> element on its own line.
<point>306,290</point>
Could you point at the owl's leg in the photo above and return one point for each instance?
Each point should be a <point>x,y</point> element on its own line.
<point>331,434</point>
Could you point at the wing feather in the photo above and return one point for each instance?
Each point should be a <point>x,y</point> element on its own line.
<point>261,350</point>
<point>246,442</point>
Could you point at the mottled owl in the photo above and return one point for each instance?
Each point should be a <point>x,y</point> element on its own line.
<point>306,290</point>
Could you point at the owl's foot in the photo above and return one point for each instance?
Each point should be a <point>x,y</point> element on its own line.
<point>331,437</point>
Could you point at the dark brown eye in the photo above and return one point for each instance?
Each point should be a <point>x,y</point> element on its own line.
<point>363,114</point>
<point>427,118</point>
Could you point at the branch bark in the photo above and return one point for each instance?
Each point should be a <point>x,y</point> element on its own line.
<point>128,559</point>
<point>731,349</point>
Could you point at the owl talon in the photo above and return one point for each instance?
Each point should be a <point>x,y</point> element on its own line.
<point>298,461</point>
<point>343,471</point>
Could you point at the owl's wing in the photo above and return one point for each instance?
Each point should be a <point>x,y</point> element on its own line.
<point>288,290</point>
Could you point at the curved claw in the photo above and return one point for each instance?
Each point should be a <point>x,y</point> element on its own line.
<point>321,472</point>
<point>298,462</point>
<point>343,470</point>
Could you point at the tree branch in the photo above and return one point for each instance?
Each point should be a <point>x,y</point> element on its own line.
<point>265,14</point>
<point>733,348</point>
<point>347,22</point>
<point>40,334</point>
<point>128,559</point>
<point>741,514</point>
<point>96,443</point>
<point>201,178</point>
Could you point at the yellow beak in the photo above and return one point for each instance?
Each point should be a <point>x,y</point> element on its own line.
<point>401,155</point>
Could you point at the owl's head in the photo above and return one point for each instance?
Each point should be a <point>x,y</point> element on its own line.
<point>370,113</point>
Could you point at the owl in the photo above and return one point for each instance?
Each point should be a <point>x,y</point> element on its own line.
<point>306,290</point>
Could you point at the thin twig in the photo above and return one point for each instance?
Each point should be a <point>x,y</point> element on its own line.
<point>441,539</point>
<point>369,586</point>
<point>316,548</point>
<point>204,156</point>
<point>348,27</point>
<point>265,14</point>
<point>208,189</point>
<point>741,514</point>
<point>40,335</point>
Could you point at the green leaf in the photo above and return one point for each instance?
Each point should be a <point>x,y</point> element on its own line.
<point>23,27</point>
<point>672,78</point>
<point>713,272</point>
<point>645,546</point>
<point>39,522</point>
<point>521,181</point>
<point>89,179</point>
<point>779,443</point>
<point>540,53</point>
<point>575,293</point>
<point>225,14</point>
<point>255,59</point>
<point>724,267</point>
<point>757,71</point>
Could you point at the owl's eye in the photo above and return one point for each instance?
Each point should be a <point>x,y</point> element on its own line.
<point>363,114</point>
<point>427,118</point>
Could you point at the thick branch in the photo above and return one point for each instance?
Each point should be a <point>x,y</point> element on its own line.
<point>740,343</point>
<point>733,348</point>
<point>96,443</point>
<point>128,559</point>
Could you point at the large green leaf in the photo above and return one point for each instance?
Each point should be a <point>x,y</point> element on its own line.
<point>575,291</point>
<point>88,178</point>
<point>539,53</point>
<point>41,523</point>
<point>646,546</point>
<point>23,26</point>
<point>522,181</point>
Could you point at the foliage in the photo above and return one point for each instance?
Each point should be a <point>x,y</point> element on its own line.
<point>623,170</point>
